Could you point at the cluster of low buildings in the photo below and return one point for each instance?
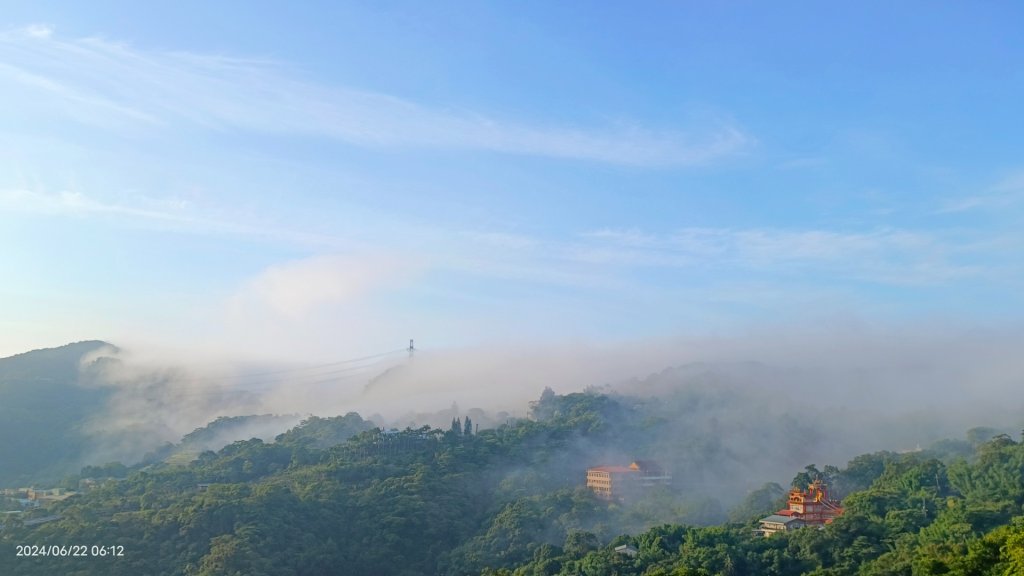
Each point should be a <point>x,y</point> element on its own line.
<point>86,485</point>
<point>32,497</point>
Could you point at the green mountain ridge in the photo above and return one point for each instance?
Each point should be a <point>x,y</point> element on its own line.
<point>43,409</point>
<point>510,501</point>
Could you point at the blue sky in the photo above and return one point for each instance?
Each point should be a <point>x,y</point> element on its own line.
<point>328,181</point>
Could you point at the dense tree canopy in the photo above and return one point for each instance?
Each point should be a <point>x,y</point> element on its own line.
<point>336,495</point>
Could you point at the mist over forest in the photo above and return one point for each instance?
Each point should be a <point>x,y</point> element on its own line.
<point>855,388</point>
<point>505,488</point>
<point>729,413</point>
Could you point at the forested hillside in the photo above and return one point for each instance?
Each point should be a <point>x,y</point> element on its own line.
<point>511,500</point>
<point>43,408</point>
<point>909,515</point>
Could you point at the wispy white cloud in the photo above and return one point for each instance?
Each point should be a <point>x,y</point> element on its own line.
<point>39,31</point>
<point>1012,183</point>
<point>599,259</point>
<point>102,82</point>
<point>76,203</point>
<point>886,256</point>
<point>168,214</point>
<point>297,288</point>
<point>1007,192</point>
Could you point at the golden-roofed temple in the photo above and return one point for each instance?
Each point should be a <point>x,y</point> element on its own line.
<point>811,507</point>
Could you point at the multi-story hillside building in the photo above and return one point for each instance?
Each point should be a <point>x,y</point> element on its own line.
<point>618,482</point>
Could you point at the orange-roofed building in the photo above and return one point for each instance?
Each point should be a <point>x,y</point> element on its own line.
<point>812,507</point>
<point>615,482</point>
